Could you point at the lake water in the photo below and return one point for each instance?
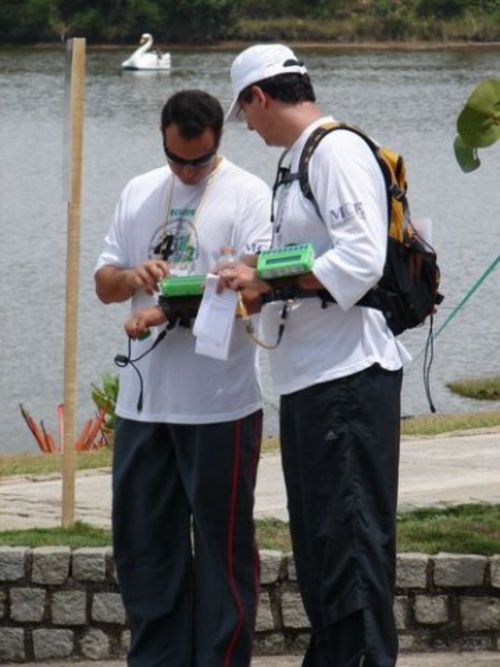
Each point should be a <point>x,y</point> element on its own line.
<point>408,100</point>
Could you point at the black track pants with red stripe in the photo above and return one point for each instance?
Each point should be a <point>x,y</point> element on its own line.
<point>184,540</point>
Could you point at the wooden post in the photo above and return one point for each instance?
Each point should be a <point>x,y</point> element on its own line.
<point>77,94</point>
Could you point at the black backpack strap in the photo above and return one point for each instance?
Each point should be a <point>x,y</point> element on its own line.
<point>307,152</point>
<point>312,143</point>
<point>372,299</point>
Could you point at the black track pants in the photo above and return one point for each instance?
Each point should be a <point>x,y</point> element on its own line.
<point>340,448</point>
<point>183,538</point>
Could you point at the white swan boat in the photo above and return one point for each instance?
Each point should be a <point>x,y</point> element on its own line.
<point>143,59</point>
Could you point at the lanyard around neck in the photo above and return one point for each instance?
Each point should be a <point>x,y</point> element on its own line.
<point>203,197</point>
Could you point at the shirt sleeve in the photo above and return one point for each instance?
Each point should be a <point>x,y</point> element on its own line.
<point>349,188</point>
<point>115,251</point>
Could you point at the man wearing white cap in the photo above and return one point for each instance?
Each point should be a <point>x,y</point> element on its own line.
<point>337,369</point>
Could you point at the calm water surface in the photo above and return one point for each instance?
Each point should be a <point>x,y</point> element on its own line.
<point>407,100</point>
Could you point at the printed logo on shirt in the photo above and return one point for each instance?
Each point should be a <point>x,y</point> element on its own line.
<point>346,211</point>
<point>182,212</point>
<point>256,246</point>
<point>176,242</point>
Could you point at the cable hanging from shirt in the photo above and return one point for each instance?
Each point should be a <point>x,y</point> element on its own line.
<point>494,264</point>
<point>122,360</point>
<point>428,348</point>
<point>247,320</point>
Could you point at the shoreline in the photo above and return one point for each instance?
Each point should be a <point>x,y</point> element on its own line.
<point>237,45</point>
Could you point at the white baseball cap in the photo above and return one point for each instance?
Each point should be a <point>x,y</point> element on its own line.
<point>259,62</point>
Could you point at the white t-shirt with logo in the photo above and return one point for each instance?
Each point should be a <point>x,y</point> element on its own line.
<point>350,238</point>
<point>229,208</point>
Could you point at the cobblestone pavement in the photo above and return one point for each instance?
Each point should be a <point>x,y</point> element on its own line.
<point>470,659</point>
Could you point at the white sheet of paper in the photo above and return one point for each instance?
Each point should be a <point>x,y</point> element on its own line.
<point>214,323</point>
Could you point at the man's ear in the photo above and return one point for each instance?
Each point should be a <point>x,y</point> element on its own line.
<point>259,95</point>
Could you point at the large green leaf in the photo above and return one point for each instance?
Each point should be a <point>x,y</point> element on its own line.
<point>466,155</point>
<point>479,121</point>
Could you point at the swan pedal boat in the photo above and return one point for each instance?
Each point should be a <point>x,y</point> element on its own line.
<point>142,60</point>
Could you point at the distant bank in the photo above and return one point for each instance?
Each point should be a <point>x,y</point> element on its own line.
<point>237,45</point>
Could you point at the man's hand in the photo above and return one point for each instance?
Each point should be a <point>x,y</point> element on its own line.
<point>147,276</point>
<point>138,324</point>
<point>114,284</point>
<point>241,277</point>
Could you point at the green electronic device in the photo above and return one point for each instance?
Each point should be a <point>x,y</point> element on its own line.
<point>178,286</point>
<point>289,260</point>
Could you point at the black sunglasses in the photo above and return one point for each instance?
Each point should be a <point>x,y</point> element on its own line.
<point>201,161</point>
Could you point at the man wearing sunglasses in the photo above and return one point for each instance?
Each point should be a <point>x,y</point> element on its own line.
<point>184,465</point>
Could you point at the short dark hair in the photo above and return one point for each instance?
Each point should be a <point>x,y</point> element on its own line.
<point>289,88</point>
<point>193,111</point>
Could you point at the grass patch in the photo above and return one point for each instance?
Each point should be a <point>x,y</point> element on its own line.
<point>485,389</point>
<point>437,424</point>
<point>461,529</point>
<point>273,534</point>
<point>467,529</point>
<point>47,464</point>
<point>471,529</point>
<point>80,535</point>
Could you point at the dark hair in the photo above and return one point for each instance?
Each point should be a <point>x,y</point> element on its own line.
<point>289,88</point>
<point>193,111</point>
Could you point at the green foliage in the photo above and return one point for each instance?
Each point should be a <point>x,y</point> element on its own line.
<point>262,9</point>
<point>195,21</point>
<point>386,8</point>
<point>287,29</point>
<point>441,8</point>
<point>105,397</point>
<point>478,124</point>
<point>140,16</point>
<point>29,20</point>
<point>479,121</point>
<point>203,21</point>
<point>467,156</point>
<point>88,23</point>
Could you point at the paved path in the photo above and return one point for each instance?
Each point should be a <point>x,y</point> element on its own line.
<point>434,471</point>
<point>472,659</point>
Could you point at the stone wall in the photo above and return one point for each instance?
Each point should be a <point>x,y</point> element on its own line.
<point>58,603</point>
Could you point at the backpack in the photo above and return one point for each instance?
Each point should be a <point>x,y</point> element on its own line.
<point>408,291</point>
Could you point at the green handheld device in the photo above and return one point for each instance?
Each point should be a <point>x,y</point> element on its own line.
<point>289,260</point>
<point>178,286</point>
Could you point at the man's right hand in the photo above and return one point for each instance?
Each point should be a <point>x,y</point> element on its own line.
<point>147,276</point>
<point>115,284</point>
<point>241,277</point>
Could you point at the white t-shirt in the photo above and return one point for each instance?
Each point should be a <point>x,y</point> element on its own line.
<point>320,344</point>
<point>229,208</point>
